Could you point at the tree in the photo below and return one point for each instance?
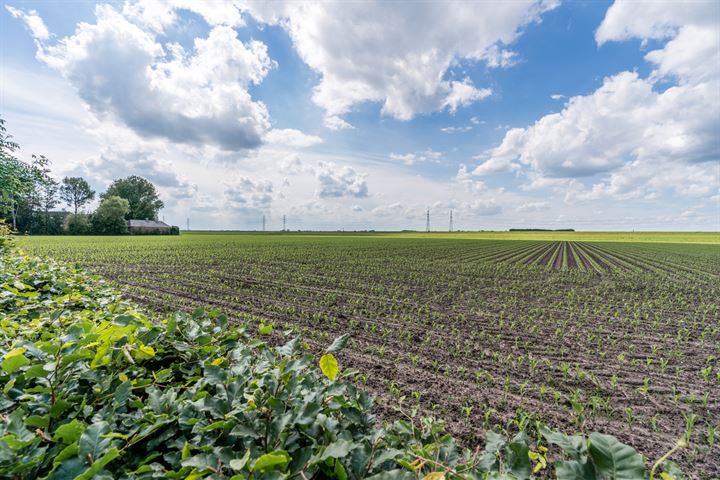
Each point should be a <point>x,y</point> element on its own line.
<point>16,178</point>
<point>140,194</point>
<point>110,215</point>
<point>76,192</point>
<point>33,207</point>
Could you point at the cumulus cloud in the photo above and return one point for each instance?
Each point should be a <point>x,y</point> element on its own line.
<point>159,14</point>
<point>384,52</point>
<point>336,182</point>
<point>632,129</point>
<point>120,70</point>
<point>249,196</point>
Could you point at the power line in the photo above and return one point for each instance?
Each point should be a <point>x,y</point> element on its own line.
<point>263,223</point>
<point>283,223</point>
<point>427,221</point>
<point>451,223</point>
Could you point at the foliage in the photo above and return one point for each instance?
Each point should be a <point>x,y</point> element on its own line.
<point>77,224</point>
<point>140,194</point>
<point>109,218</point>
<point>16,177</point>
<point>76,192</point>
<point>94,388</point>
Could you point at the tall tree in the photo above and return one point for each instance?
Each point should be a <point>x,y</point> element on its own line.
<point>37,204</point>
<point>109,217</point>
<point>76,192</point>
<point>16,178</point>
<point>140,194</point>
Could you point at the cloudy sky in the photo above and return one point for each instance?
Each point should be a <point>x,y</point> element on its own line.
<point>592,115</point>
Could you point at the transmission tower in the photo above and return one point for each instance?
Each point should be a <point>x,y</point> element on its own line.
<point>451,225</point>
<point>188,224</point>
<point>283,223</point>
<point>427,220</point>
<point>263,223</point>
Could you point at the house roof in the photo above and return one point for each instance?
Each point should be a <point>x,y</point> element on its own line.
<point>147,224</point>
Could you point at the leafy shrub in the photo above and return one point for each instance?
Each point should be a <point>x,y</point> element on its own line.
<point>174,230</point>
<point>94,388</point>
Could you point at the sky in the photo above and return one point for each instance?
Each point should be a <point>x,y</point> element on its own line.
<point>363,115</point>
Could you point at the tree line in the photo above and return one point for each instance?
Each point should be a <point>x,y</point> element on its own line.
<point>29,194</point>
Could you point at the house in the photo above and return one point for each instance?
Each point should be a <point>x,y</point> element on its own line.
<point>148,227</point>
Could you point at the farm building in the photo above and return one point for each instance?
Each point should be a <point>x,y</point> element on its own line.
<point>148,227</point>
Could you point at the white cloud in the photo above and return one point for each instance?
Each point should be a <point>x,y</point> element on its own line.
<point>483,207</point>
<point>33,22</point>
<point>533,207</point>
<point>249,196</point>
<point>463,94</point>
<point>557,96</point>
<point>464,129</point>
<point>384,52</point>
<point>290,137</point>
<point>334,122</point>
<point>336,182</point>
<point>159,14</point>
<point>496,57</point>
<point>428,155</point>
<point>651,20</point>
<point>121,71</point>
<point>633,130</point>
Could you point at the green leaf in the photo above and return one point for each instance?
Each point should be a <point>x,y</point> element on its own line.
<point>340,472</point>
<point>289,348</point>
<point>185,451</point>
<point>574,470</point>
<point>277,460</point>
<point>92,441</point>
<point>238,464</point>
<point>69,433</point>
<point>122,393</point>
<point>337,449</point>
<point>614,459</point>
<point>69,469</point>
<point>329,366</point>
<point>338,344</point>
<point>265,329</point>
<point>574,446</point>
<point>14,360</point>
<point>518,460</point>
<point>99,464</point>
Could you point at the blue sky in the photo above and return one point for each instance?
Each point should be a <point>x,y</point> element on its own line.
<point>586,115</point>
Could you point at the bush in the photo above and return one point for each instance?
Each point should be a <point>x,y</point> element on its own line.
<point>94,388</point>
<point>77,224</point>
<point>174,230</point>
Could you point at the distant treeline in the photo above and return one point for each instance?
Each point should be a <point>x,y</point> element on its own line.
<point>541,230</point>
<point>30,194</point>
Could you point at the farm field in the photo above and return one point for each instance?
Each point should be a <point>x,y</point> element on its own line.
<point>582,332</point>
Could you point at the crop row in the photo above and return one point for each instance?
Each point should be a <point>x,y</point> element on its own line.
<point>616,337</point>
